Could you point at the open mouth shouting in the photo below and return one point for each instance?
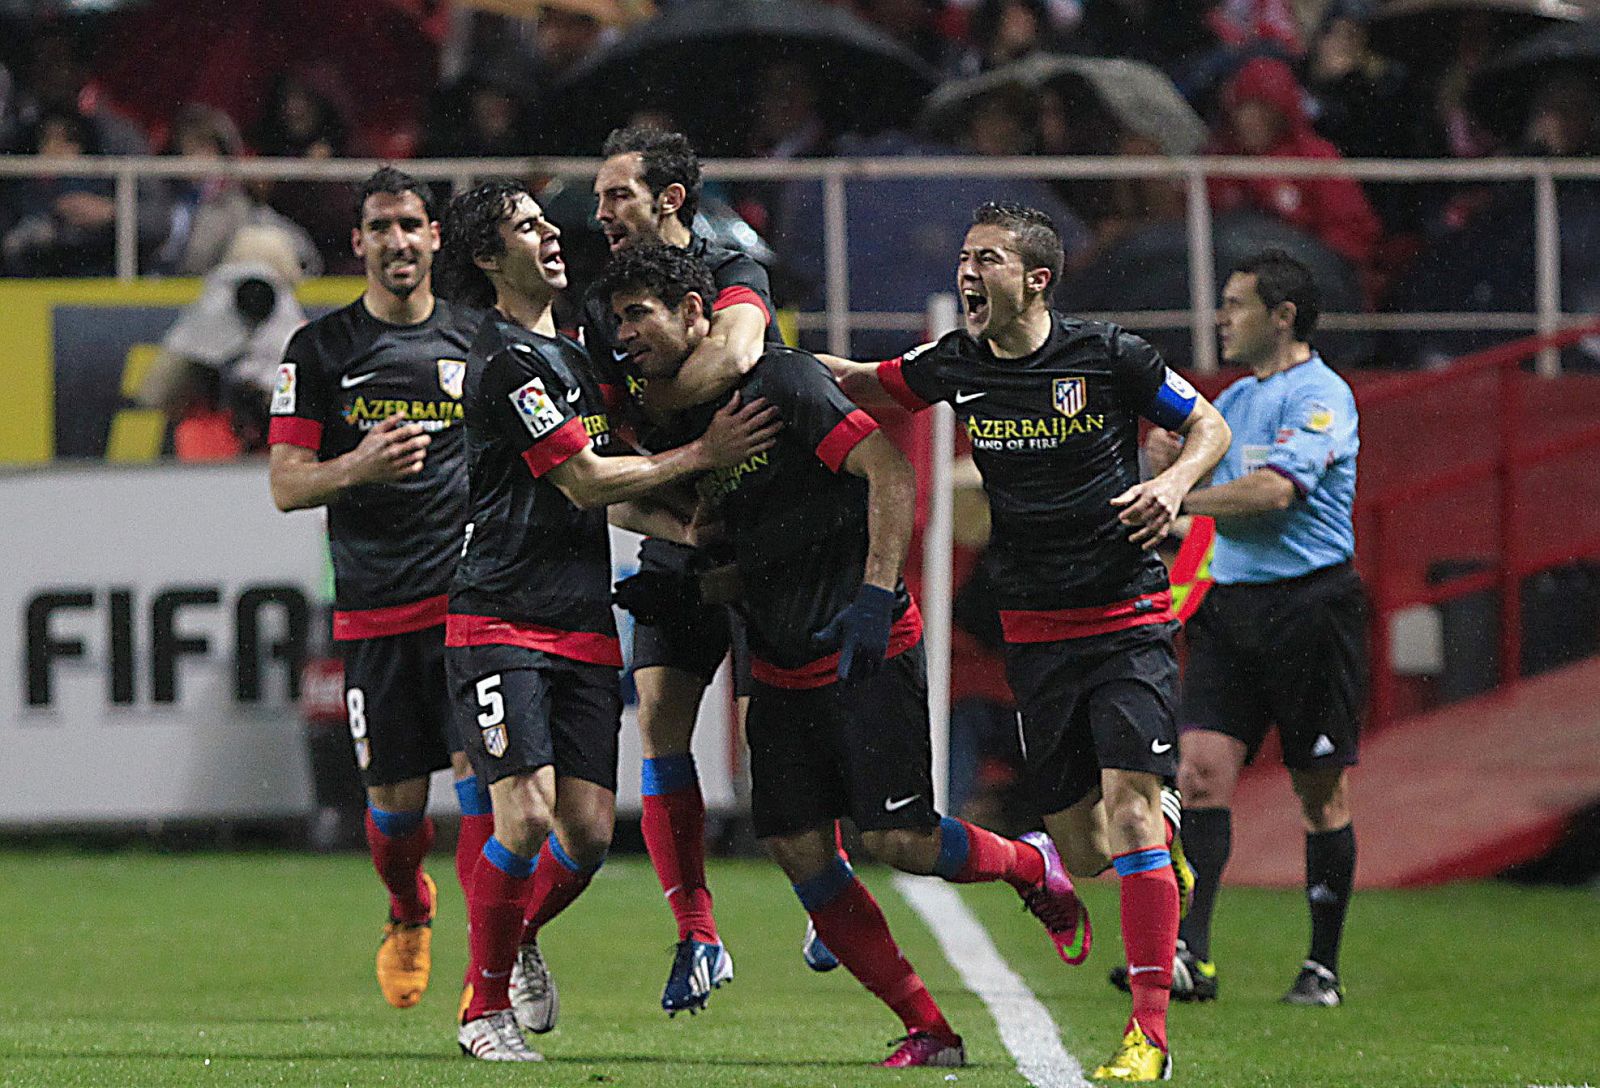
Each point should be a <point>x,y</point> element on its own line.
<point>550,260</point>
<point>975,305</point>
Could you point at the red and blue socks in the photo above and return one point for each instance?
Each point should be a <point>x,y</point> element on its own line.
<point>970,855</point>
<point>852,925</point>
<point>674,827</point>
<point>557,881</point>
<point>501,882</point>
<point>1330,874</point>
<point>477,824</point>
<point>1149,934</point>
<point>398,842</point>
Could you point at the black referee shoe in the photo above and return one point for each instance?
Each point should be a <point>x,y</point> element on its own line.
<point>1315,985</point>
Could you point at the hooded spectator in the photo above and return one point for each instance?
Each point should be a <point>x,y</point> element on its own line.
<point>1265,115</point>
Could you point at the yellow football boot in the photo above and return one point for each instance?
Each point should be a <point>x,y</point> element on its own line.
<point>1137,1059</point>
<point>405,957</point>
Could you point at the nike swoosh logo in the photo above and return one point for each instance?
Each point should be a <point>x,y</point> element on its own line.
<point>1141,970</point>
<point>350,381</point>
<point>896,806</point>
<point>572,395</point>
<point>962,398</point>
<point>619,356</point>
<point>1158,748</point>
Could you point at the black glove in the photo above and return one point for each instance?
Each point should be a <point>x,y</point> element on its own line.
<point>656,596</point>
<point>860,632</point>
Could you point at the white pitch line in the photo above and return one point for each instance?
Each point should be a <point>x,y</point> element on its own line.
<point>1025,1025</point>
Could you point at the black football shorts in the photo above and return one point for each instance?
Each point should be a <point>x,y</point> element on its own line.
<point>1086,704</point>
<point>397,705</point>
<point>859,750</point>
<point>695,640</point>
<point>520,709</point>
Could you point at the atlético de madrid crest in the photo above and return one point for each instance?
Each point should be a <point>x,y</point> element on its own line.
<point>1069,396</point>
<point>452,373</point>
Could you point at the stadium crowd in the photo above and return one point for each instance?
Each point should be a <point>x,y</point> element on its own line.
<point>1316,79</point>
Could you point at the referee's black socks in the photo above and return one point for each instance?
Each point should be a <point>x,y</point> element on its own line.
<point>1207,841</point>
<point>1330,874</point>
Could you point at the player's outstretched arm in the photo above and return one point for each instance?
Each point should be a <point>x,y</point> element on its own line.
<point>859,381</point>
<point>1151,506</point>
<point>1260,492</point>
<point>731,349</point>
<point>392,451</point>
<point>737,433</point>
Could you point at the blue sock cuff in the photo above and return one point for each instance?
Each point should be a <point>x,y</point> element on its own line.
<point>501,857</point>
<point>396,825</point>
<point>1142,861</point>
<point>827,885</point>
<point>472,796</point>
<point>954,845</point>
<point>568,862</point>
<point>667,774</point>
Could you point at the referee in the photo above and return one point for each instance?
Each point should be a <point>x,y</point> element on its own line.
<point>1280,639</point>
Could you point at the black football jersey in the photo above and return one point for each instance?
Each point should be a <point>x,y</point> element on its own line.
<point>535,570</point>
<point>797,520</point>
<point>1056,437</point>
<point>393,545</point>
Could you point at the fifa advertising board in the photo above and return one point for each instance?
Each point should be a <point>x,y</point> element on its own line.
<point>155,621</point>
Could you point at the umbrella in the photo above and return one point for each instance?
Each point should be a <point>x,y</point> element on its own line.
<point>1149,270</point>
<point>1501,91</point>
<point>1412,31</point>
<point>700,63</point>
<point>1138,97</point>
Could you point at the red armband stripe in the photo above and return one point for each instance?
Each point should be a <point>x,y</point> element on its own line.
<point>833,449</point>
<point>294,431</point>
<point>739,294</point>
<point>556,447</point>
<point>893,380</point>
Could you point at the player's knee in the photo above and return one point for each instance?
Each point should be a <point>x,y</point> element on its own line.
<point>1083,859</point>
<point>912,849</point>
<point>522,819</point>
<point>588,840</point>
<point>1204,783</point>
<point>801,857</point>
<point>1131,817</point>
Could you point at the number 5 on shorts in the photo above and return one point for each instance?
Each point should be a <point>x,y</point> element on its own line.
<point>492,721</point>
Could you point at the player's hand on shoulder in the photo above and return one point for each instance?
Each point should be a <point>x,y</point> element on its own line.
<point>739,431</point>
<point>392,451</point>
<point>1150,508</point>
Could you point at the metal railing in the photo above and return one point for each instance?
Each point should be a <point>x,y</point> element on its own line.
<point>837,319</point>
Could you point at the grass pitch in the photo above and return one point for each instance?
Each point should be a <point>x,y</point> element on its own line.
<point>135,969</point>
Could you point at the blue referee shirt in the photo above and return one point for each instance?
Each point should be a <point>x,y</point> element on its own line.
<point>1301,424</point>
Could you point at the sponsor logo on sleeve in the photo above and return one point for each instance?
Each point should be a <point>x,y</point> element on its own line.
<point>1180,386</point>
<point>539,413</point>
<point>283,390</point>
<point>1319,419</point>
<point>452,375</point>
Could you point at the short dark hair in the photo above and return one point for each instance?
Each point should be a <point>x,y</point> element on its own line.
<point>1038,241</point>
<point>667,157</point>
<point>386,179</point>
<point>1281,278</point>
<point>667,272</point>
<point>471,230</point>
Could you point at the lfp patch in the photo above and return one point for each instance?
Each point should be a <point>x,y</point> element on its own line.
<point>539,413</point>
<point>283,390</point>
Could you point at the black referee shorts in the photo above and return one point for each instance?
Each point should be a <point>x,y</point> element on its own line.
<point>694,640</point>
<point>1084,704</point>
<point>397,705</point>
<point>1291,653</point>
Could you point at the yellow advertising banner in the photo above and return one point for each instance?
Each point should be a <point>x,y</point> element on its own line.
<point>75,351</point>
